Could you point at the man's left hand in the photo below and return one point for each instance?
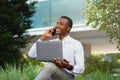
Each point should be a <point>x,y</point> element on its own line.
<point>62,63</point>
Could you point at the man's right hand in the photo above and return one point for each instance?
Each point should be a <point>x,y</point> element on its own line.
<point>47,34</point>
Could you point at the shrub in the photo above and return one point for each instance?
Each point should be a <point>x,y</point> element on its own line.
<point>97,62</point>
<point>96,75</point>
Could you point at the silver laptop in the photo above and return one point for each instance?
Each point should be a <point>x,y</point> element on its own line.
<point>47,50</point>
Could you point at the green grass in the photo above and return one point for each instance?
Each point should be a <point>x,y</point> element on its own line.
<point>97,75</point>
<point>96,69</point>
<point>29,73</point>
<point>21,73</point>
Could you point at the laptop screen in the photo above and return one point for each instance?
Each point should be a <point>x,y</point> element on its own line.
<point>47,50</point>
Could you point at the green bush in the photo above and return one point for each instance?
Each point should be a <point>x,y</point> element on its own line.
<point>97,62</point>
<point>97,75</point>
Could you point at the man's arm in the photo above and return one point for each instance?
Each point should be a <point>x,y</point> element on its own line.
<point>79,59</point>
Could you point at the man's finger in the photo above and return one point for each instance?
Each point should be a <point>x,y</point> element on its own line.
<point>66,60</point>
<point>54,60</point>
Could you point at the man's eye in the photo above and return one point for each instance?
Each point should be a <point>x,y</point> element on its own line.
<point>61,23</point>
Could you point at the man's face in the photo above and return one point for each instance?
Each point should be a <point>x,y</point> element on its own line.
<point>62,27</point>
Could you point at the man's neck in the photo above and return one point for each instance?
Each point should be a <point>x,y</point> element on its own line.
<point>61,37</point>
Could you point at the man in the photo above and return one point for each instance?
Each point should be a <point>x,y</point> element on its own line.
<point>73,53</point>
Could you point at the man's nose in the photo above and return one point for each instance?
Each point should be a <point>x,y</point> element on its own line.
<point>57,26</point>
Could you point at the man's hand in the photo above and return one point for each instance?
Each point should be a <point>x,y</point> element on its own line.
<point>58,62</point>
<point>63,63</point>
<point>47,34</point>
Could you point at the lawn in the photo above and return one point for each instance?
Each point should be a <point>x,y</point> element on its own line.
<point>96,69</point>
<point>29,73</point>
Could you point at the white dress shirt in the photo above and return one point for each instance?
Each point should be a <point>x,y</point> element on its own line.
<point>72,51</point>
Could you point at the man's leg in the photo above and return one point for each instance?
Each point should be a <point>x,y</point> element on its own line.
<point>62,75</point>
<point>54,72</point>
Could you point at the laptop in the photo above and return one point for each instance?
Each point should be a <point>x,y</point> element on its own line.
<point>47,50</point>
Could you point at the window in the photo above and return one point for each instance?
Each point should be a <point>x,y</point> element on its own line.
<point>49,11</point>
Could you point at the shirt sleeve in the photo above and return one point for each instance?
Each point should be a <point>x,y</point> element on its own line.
<point>32,52</point>
<point>79,60</point>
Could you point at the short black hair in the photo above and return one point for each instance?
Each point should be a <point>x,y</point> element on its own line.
<point>70,22</point>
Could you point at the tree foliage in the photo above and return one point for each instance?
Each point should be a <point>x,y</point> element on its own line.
<point>105,15</point>
<point>14,20</point>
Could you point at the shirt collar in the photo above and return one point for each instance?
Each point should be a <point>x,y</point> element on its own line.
<point>67,37</point>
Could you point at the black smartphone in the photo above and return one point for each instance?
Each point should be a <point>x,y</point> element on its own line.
<point>54,32</point>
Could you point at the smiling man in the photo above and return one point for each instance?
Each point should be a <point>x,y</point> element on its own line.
<point>73,53</point>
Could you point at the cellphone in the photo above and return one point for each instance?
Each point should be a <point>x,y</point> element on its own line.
<point>54,32</point>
